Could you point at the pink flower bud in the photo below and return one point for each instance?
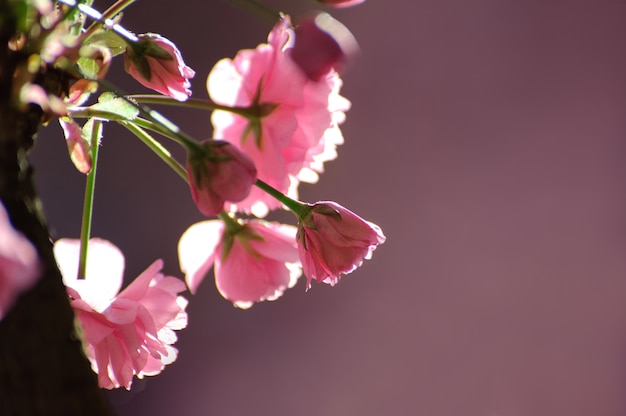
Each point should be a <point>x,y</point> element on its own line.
<point>333,241</point>
<point>156,63</point>
<point>322,43</point>
<point>220,173</point>
<point>78,147</point>
<point>340,3</point>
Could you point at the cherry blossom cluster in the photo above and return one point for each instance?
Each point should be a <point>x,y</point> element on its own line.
<point>275,112</point>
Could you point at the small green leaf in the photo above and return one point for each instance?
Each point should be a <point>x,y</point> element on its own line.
<point>110,103</point>
<point>155,51</point>
<point>116,44</point>
<point>88,67</point>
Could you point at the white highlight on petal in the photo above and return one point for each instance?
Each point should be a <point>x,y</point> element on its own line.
<point>196,250</point>
<point>104,272</point>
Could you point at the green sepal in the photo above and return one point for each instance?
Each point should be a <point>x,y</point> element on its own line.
<point>155,51</point>
<point>136,54</point>
<point>227,243</point>
<point>254,128</point>
<point>324,209</point>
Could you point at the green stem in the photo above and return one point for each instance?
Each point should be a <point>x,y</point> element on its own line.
<point>191,103</point>
<point>98,17</point>
<point>149,125</point>
<point>88,112</point>
<point>90,187</point>
<point>298,208</point>
<point>154,116</point>
<point>157,148</point>
<point>259,9</point>
<point>109,13</point>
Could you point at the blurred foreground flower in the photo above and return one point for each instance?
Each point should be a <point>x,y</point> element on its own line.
<point>333,241</point>
<point>127,333</point>
<point>322,44</point>
<point>340,3</point>
<point>289,126</point>
<point>217,173</point>
<point>19,264</point>
<point>254,261</point>
<point>156,63</point>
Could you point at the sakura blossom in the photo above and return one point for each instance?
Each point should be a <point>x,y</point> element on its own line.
<point>219,173</point>
<point>157,64</point>
<point>129,333</point>
<point>290,124</point>
<point>333,241</point>
<point>20,267</point>
<point>276,117</point>
<point>258,261</point>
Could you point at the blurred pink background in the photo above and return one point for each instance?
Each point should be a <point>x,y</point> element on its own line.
<point>487,139</point>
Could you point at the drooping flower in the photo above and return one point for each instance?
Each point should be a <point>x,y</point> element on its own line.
<point>291,126</point>
<point>126,333</point>
<point>333,241</point>
<point>341,3</point>
<point>20,267</point>
<point>219,172</point>
<point>77,145</point>
<point>258,261</point>
<point>322,44</point>
<point>157,63</point>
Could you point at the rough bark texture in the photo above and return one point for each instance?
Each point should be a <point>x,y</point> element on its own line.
<point>43,370</point>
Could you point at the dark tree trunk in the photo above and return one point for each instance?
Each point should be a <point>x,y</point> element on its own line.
<point>43,370</point>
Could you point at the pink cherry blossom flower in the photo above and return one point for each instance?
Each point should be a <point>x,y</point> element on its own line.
<point>322,43</point>
<point>126,333</point>
<point>257,262</point>
<point>333,241</point>
<point>20,268</point>
<point>157,63</point>
<point>341,3</point>
<point>292,124</point>
<point>219,173</point>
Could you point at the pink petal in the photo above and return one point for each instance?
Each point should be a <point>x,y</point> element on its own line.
<point>104,272</point>
<point>95,326</point>
<point>122,311</point>
<point>258,270</point>
<point>196,251</point>
<point>136,290</point>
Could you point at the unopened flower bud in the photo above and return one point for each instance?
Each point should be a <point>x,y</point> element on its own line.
<point>219,173</point>
<point>156,63</point>
<point>78,146</point>
<point>333,241</point>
